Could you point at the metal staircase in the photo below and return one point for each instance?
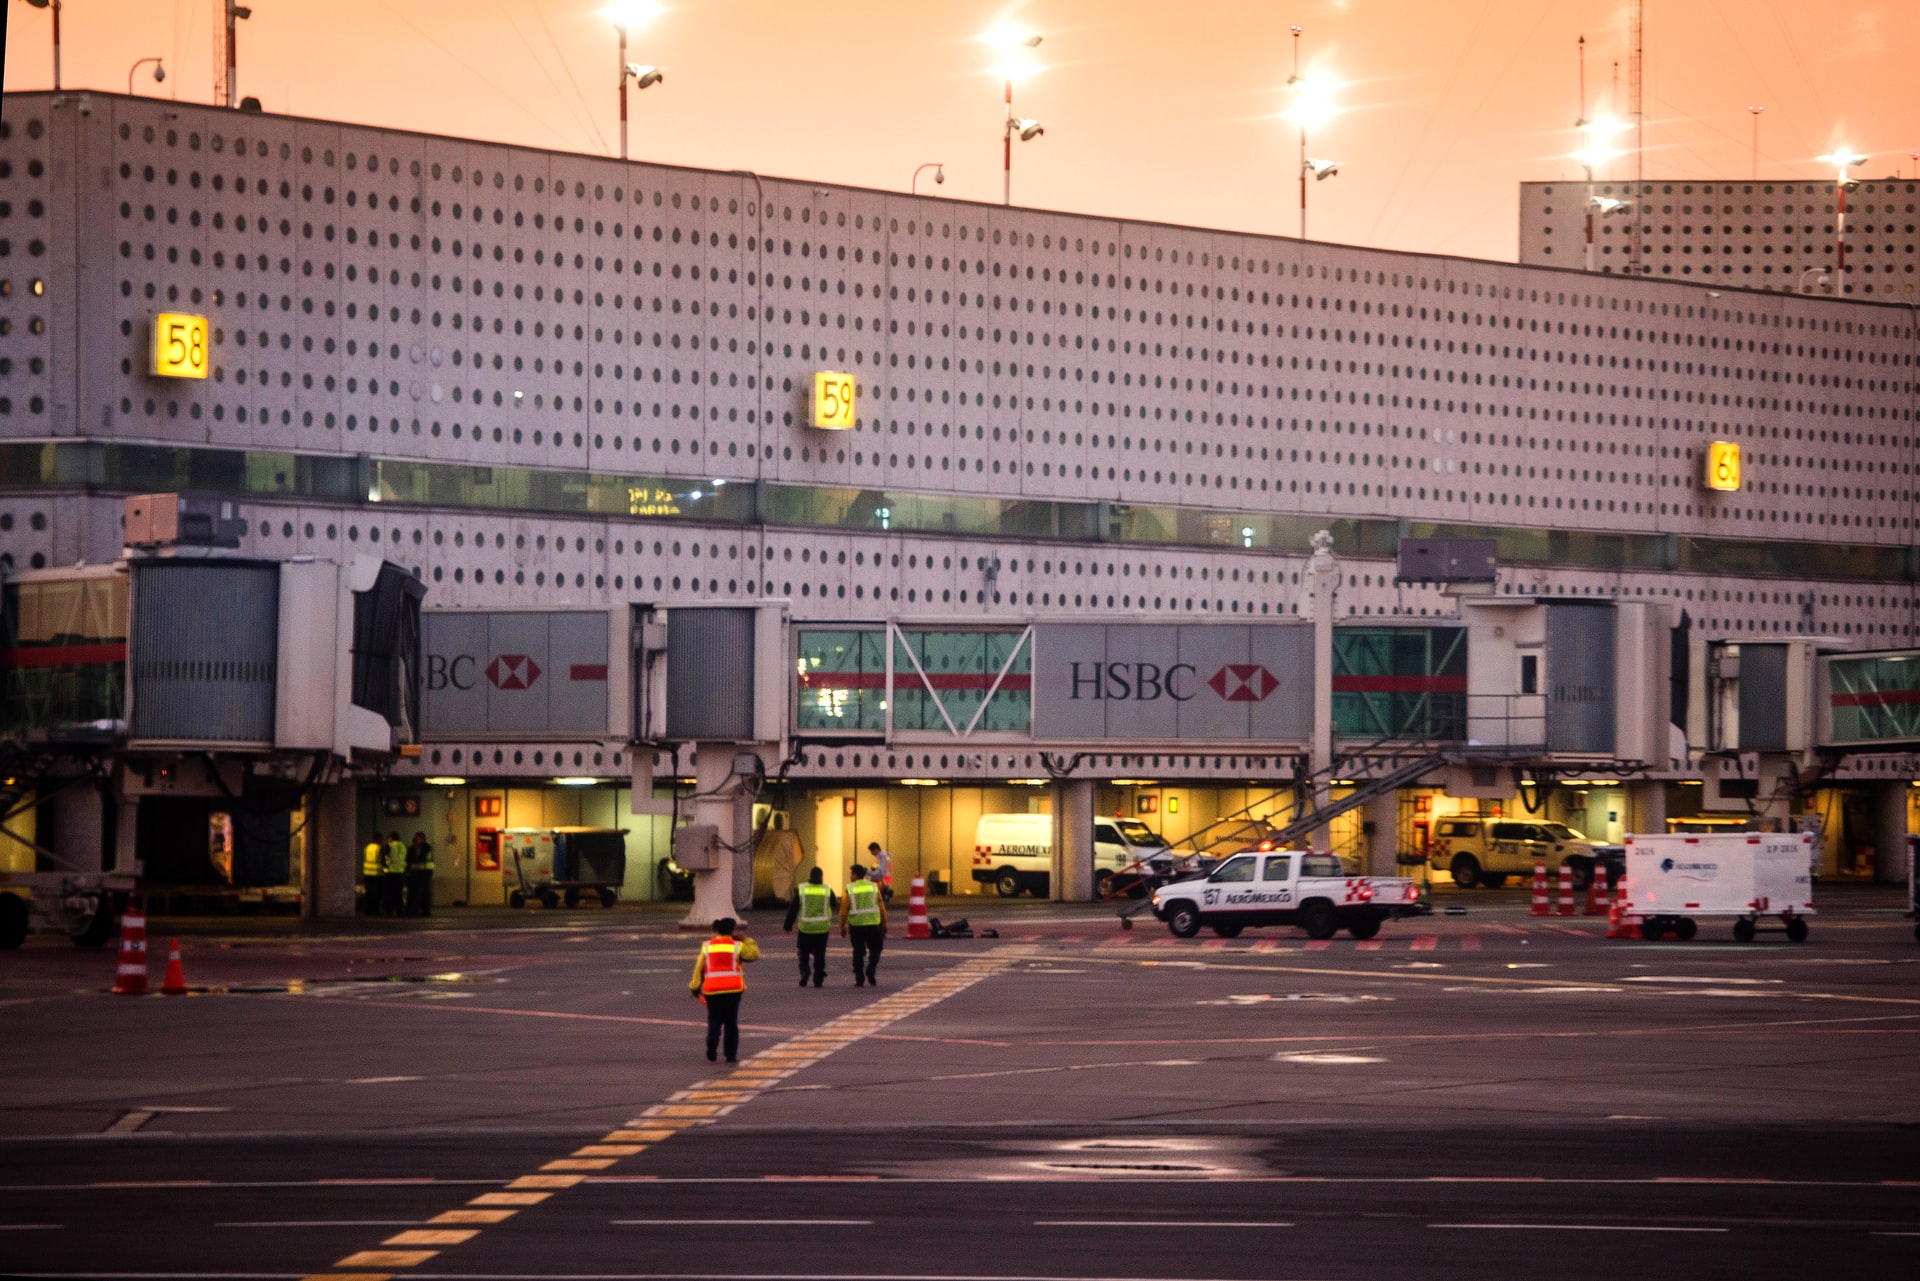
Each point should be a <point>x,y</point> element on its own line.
<point>1242,828</point>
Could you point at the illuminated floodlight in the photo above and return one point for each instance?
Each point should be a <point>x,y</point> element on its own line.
<point>1843,159</point>
<point>1014,46</point>
<point>1313,94</point>
<point>631,15</point>
<point>1598,149</point>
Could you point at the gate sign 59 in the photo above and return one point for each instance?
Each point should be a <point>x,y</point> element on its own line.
<point>1723,465</point>
<point>179,345</point>
<point>833,400</point>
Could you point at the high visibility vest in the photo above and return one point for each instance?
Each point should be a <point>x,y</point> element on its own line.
<point>863,903</point>
<point>372,859</point>
<point>815,917</point>
<point>722,972</point>
<point>396,856</point>
<point>422,864</point>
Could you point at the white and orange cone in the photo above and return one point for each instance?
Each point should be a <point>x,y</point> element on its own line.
<point>130,976</point>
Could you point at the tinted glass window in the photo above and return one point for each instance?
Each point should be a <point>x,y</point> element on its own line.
<point>1279,868</point>
<point>1235,869</point>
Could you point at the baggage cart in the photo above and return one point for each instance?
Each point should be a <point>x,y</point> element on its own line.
<point>555,865</point>
<point>1756,878</point>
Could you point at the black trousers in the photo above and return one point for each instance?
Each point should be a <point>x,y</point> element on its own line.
<point>396,893</point>
<point>813,956</point>
<point>419,892</point>
<point>723,1017</point>
<point>867,942</point>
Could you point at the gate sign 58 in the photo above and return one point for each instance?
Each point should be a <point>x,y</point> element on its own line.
<point>179,345</point>
<point>833,400</point>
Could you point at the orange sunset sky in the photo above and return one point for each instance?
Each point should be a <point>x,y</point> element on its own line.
<point>1166,111</point>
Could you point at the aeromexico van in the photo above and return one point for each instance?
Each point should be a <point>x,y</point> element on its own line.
<point>1014,852</point>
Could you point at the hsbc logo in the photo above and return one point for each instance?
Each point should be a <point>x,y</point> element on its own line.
<point>1243,683</point>
<point>513,672</point>
<point>1149,682</point>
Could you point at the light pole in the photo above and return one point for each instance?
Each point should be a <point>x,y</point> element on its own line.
<point>625,15</point>
<point>1013,62</point>
<point>939,174</point>
<point>1755,113</point>
<point>159,72</point>
<point>55,6</point>
<point>1598,151</point>
<point>1842,159</point>
<point>232,14</point>
<point>1312,106</point>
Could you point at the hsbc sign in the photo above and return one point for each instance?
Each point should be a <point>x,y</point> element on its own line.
<point>1199,682</point>
<point>509,673</point>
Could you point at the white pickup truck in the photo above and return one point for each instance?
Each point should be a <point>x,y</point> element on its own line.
<point>1284,887</point>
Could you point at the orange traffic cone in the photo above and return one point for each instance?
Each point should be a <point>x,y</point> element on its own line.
<point>1541,906</point>
<point>917,909</point>
<point>1566,890</point>
<point>130,976</point>
<point>1620,923</point>
<point>175,982</point>
<point>1597,892</point>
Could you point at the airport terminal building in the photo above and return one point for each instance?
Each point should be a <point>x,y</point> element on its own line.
<point>1062,549</point>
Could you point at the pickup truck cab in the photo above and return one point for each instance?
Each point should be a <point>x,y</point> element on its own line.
<point>1284,887</point>
<point>1486,851</point>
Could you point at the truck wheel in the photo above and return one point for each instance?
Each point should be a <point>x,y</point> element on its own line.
<point>13,920</point>
<point>516,899</point>
<point>1229,930</point>
<point>1184,920</point>
<point>1743,930</point>
<point>549,899</point>
<point>1007,883</point>
<point>1319,919</point>
<point>99,928</point>
<point>1582,873</point>
<point>1363,927</point>
<point>1103,884</point>
<point>1466,871</point>
<point>1653,928</point>
<point>573,896</point>
<point>1686,929</point>
<point>607,897</point>
<point>1796,930</point>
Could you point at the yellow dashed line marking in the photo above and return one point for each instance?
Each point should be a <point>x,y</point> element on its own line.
<point>699,1104</point>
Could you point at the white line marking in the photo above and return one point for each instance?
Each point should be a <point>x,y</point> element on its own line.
<point>61,1227</point>
<point>1153,1223</point>
<point>379,1080</point>
<point>743,1223</point>
<point>327,1223</point>
<point>1568,1227</point>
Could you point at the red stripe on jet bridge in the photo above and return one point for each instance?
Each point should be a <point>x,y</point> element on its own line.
<point>906,680</point>
<point>63,655</point>
<point>1878,698</point>
<point>587,672</point>
<point>1399,684</point>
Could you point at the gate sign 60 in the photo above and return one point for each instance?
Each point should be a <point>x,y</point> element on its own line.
<point>179,345</point>
<point>833,400</point>
<point>1723,465</point>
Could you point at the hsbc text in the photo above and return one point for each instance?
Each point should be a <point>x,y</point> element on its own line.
<point>1137,682</point>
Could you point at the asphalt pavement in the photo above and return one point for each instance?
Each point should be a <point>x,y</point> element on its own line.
<point>522,1095</point>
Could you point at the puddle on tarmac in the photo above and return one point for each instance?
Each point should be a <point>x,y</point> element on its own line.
<point>340,986</point>
<point>1327,1059</point>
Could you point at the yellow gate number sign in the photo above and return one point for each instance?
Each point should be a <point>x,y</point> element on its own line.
<point>179,345</point>
<point>833,400</point>
<point>1723,465</point>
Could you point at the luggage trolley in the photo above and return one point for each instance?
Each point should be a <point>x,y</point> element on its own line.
<point>563,864</point>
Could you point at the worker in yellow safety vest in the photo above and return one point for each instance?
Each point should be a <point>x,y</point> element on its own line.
<point>863,916</point>
<point>395,879</point>
<point>812,909</point>
<point>373,866</point>
<point>719,982</point>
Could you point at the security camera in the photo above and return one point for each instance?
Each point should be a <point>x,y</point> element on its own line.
<point>645,77</point>
<point>1323,169</point>
<point>1029,129</point>
<point>159,73</point>
<point>939,175</point>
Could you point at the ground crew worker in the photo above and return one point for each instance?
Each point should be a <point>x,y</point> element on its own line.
<point>395,878</point>
<point>882,870</point>
<point>420,876</point>
<point>719,982</point>
<point>813,907</point>
<point>373,869</point>
<point>864,917</point>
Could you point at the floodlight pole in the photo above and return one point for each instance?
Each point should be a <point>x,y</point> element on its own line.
<point>1006,145</point>
<point>621,28</point>
<point>1303,137</point>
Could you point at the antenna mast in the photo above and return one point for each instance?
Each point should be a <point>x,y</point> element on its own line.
<point>1636,89</point>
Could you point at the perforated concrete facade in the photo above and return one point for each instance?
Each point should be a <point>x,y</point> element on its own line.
<point>476,337</point>
<point>1770,236</point>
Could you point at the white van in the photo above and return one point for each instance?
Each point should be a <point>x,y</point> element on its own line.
<point>1014,852</point>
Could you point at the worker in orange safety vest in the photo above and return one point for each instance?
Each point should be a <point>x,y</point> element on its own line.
<point>719,982</point>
